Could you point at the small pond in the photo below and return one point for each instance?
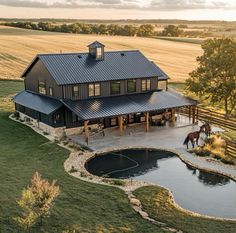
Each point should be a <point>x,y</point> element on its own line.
<point>199,191</point>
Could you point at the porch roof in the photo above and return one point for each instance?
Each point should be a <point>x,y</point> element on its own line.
<point>37,102</point>
<point>122,105</point>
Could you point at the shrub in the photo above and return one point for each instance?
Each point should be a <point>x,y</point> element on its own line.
<point>45,133</point>
<point>71,145</point>
<point>117,182</point>
<point>227,161</point>
<point>73,169</point>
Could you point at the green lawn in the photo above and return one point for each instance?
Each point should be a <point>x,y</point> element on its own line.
<point>156,202</point>
<point>81,205</point>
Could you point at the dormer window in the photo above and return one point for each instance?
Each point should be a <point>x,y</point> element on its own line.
<point>96,50</point>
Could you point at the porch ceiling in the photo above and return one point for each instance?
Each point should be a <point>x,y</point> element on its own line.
<point>122,105</point>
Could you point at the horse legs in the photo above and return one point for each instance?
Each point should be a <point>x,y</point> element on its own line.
<point>197,141</point>
<point>187,145</point>
<point>192,141</point>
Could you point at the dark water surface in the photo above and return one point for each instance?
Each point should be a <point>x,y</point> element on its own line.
<point>195,190</point>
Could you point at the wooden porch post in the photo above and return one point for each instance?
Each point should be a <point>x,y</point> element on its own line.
<point>86,132</point>
<point>197,114</point>
<point>147,121</point>
<point>189,112</point>
<point>194,114</point>
<point>173,116</point>
<point>120,120</point>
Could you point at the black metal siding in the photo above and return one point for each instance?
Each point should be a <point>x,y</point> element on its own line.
<point>106,89</point>
<point>38,73</point>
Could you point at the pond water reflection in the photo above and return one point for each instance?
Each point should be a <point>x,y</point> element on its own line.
<point>199,191</point>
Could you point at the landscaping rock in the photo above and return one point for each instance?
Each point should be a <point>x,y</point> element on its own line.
<point>143,214</point>
<point>135,201</point>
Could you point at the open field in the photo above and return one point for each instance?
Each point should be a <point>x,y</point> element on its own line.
<point>82,206</point>
<point>19,46</point>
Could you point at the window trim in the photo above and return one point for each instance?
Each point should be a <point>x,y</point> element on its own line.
<point>118,93</point>
<point>133,80</point>
<point>147,87</point>
<point>45,91</point>
<point>73,91</point>
<point>50,93</point>
<point>94,89</point>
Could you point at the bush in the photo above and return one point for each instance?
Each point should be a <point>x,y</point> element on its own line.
<point>117,182</point>
<point>73,169</point>
<point>71,145</point>
<point>227,161</point>
<point>45,133</point>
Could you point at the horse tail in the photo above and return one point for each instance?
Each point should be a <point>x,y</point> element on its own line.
<point>186,140</point>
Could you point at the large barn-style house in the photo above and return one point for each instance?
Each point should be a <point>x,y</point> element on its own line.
<point>96,89</point>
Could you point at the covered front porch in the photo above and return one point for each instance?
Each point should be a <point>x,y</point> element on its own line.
<point>123,113</point>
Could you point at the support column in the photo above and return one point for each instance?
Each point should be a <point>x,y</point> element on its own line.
<point>189,112</point>
<point>147,121</point>
<point>194,114</point>
<point>197,114</point>
<point>173,116</point>
<point>121,127</point>
<point>86,132</point>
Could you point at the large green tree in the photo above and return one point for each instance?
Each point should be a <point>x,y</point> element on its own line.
<point>172,30</point>
<point>215,77</point>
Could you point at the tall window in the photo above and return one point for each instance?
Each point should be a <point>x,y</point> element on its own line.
<point>99,53</point>
<point>94,89</point>
<point>50,91</point>
<point>75,91</point>
<point>42,88</point>
<point>146,85</point>
<point>131,86</point>
<point>115,87</point>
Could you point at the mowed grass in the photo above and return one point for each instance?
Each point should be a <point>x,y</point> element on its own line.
<point>19,46</point>
<point>157,203</point>
<point>82,206</point>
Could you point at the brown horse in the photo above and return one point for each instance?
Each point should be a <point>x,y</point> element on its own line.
<point>191,137</point>
<point>206,128</point>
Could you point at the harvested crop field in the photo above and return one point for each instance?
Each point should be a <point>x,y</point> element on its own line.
<point>19,46</point>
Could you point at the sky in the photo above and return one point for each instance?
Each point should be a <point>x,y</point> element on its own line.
<point>120,9</point>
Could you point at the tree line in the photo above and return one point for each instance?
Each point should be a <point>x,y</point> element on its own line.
<point>143,30</point>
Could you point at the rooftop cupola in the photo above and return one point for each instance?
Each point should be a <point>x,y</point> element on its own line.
<point>96,50</point>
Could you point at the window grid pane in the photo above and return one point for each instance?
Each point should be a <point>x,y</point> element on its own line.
<point>42,88</point>
<point>75,91</point>
<point>148,84</point>
<point>91,89</point>
<point>115,87</point>
<point>143,85</point>
<point>97,89</point>
<point>131,86</point>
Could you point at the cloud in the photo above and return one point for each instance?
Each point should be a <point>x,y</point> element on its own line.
<point>164,5</point>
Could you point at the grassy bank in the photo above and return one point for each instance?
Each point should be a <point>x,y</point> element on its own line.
<point>158,204</point>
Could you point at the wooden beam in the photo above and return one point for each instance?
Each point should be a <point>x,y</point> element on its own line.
<point>121,127</point>
<point>194,114</point>
<point>86,132</point>
<point>173,115</point>
<point>197,114</point>
<point>189,112</point>
<point>147,121</point>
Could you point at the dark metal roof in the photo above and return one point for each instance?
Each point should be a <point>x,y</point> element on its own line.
<point>96,44</point>
<point>37,102</point>
<point>76,68</point>
<point>121,105</point>
<point>163,75</point>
